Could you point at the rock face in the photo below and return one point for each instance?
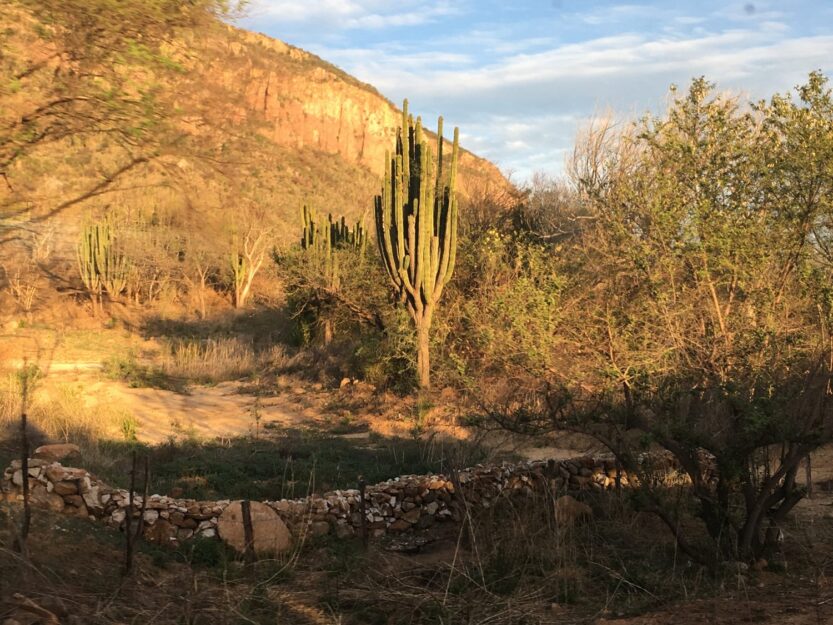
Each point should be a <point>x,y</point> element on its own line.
<point>403,504</point>
<point>300,101</point>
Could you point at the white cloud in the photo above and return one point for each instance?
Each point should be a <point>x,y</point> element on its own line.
<point>519,89</point>
<point>350,14</point>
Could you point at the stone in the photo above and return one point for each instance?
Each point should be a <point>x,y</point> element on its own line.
<point>400,525</point>
<point>65,488</point>
<point>581,482</point>
<point>57,451</point>
<point>431,508</point>
<point>426,521</point>
<point>74,500</point>
<point>151,516</point>
<point>344,531</point>
<point>161,532</point>
<point>569,511</point>
<point>270,533</point>
<point>319,528</point>
<point>41,498</point>
<point>92,500</point>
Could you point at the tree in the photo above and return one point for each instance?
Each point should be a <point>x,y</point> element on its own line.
<point>696,309</point>
<point>705,300</point>
<point>416,226</point>
<point>245,259</point>
<point>76,88</point>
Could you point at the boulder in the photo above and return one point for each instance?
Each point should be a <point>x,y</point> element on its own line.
<point>270,533</point>
<point>65,488</point>
<point>569,511</point>
<point>319,528</point>
<point>57,451</point>
<point>42,498</point>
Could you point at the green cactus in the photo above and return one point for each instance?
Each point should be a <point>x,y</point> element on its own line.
<point>416,227</point>
<point>101,263</point>
<point>322,242</point>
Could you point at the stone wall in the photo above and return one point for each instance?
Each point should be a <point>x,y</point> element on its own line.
<point>398,505</point>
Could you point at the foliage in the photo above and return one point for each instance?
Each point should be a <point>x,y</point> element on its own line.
<point>691,304</point>
<point>76,88</point>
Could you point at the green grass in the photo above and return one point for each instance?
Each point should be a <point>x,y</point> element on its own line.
<point>290,463</point>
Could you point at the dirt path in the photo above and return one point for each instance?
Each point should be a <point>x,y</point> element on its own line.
<point>206,412</point>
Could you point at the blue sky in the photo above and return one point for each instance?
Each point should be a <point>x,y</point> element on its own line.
<point>520,78</point>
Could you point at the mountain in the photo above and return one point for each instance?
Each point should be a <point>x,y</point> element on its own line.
<point>250,125</point>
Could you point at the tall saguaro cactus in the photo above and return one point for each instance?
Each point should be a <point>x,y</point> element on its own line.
<point>416,227</point>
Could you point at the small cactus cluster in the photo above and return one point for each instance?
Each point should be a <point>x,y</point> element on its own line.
<point>340,234</point>
<point>102,264</point>
<point>321,239</point>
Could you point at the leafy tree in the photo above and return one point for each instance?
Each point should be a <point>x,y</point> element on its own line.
<point>77,89</point>
<point>695,308</point>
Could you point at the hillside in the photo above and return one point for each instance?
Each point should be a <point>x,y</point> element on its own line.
<point>245,128</point>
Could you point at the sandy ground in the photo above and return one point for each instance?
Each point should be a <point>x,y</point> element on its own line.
<point>206,412</point>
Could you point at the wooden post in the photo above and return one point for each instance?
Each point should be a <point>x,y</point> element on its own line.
<point>128,519</point>
<point>248,532</point>
<point>130,535</point>
<point>363,510</point>
<point>467,531</point>
<point>24,467</point>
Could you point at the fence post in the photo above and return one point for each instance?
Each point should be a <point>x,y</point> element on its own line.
<point>363,510</point>
<point>130,535</point>
<point>248,532</point>
<point>24,467</point>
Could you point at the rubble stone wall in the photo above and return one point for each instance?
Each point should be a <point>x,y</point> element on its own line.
<point>398,505</point>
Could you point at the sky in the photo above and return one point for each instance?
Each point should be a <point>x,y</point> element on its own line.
<point>521,78</point>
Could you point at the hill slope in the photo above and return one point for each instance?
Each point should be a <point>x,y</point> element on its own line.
<point>251,122</point>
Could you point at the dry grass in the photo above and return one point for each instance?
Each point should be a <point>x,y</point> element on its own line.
<point>209,360</point>
<point>58,411</point>
<point>203,361</point>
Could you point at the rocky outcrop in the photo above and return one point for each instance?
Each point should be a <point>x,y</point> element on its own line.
<point>402,504</point>
<point>300,101</point>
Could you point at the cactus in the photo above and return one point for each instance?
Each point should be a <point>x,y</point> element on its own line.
<point>102,265</point>
<point>322,240</point>
<point>416,227</point>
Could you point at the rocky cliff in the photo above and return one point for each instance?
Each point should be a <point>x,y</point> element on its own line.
<point>300,101</point>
